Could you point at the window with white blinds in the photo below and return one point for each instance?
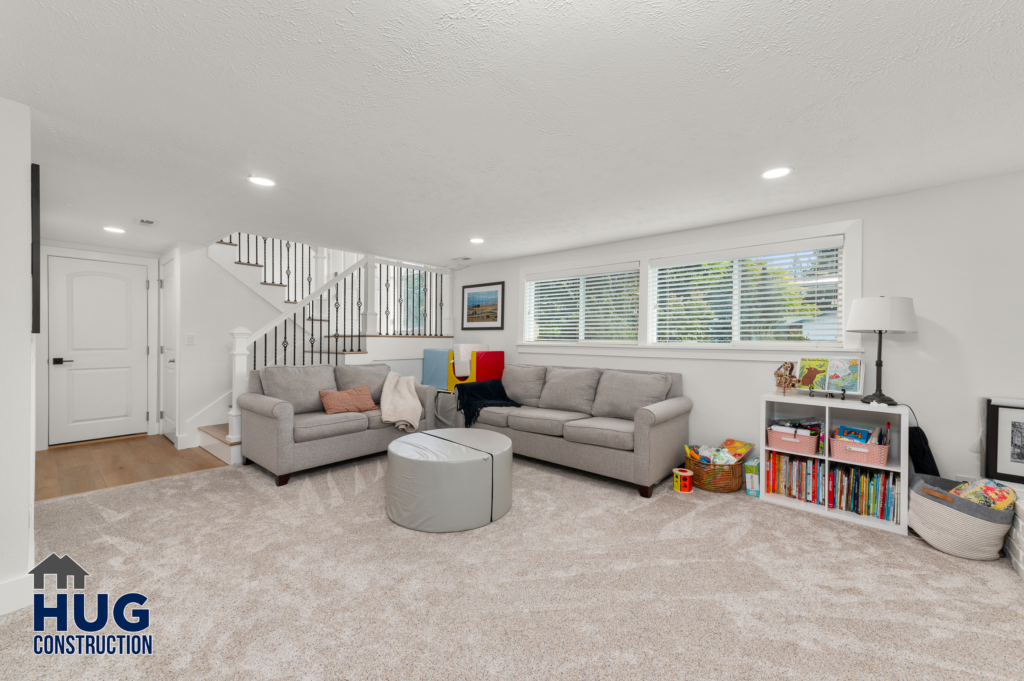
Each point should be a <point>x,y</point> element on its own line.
<point>782,297</point>
<point>603,306</point>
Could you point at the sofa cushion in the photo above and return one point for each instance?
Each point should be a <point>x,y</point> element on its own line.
<point>600,431</point>
<point>523,383</point>
<point>339,401</point>
<point>299,385</point>
<point>353,376</point>
<point>543,421</point>
<point>497,416</point>
<point>569,389</point>
<point>318,426</point>
<point>377,420</point>
<point>620,393</point>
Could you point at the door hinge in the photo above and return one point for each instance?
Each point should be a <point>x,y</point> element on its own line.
<point>161,349</point>
<point>161,414</point>
<point>161,282</point>
<point>147,349</point>
<point>147,284</point>
<point>147,415</point>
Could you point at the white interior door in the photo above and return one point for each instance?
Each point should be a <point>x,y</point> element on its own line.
<point>97,348</point>
<point>168,352</point>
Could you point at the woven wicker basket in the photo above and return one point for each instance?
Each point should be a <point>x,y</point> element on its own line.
<point>855,452</point>
<point>716,477</point>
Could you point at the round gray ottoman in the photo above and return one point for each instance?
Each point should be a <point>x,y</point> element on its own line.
<point>449,480</point>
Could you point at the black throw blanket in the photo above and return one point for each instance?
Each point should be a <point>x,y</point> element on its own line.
<point>472,397</point>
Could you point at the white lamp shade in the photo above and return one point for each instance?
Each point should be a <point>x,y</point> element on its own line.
<point>895,315</point>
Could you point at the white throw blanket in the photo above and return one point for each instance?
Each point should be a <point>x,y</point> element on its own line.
<point>399,403</point>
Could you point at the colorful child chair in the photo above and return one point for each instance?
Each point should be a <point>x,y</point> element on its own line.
<point>470,363</point>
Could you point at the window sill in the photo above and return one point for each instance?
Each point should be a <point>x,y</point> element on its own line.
<point>769,352</point>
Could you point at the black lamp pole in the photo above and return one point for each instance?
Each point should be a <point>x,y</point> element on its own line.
<point>878,395</point>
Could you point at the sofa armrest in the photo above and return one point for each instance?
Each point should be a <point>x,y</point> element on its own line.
<point>270,407</point>
<point>428,398</point>
<point>660,434</point>
<point>660,412</point>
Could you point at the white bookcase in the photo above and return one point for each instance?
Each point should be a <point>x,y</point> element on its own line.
<point>835,412</point>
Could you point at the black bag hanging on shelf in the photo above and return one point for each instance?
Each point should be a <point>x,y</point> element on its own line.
<point>921,453</point>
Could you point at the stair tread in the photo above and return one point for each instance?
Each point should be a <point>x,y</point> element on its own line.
<point>250,264</point>
<point>269,283</point>
<point>377,335</point>
<point>227,243</point>
<point>219,432</point>
<point>339,352</point>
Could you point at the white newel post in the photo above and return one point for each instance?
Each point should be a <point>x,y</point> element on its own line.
<point>370,298</point>
<point>239,380</point>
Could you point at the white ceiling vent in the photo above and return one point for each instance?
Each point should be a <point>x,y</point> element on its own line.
<point>146,222</point>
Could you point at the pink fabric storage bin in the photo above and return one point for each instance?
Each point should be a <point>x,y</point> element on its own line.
<point>795,444</point>
<point>855,452</point>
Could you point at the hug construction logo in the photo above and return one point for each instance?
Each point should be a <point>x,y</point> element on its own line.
<point>90,642</point>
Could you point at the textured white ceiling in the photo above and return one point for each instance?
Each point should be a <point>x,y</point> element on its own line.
<point>404,128</point>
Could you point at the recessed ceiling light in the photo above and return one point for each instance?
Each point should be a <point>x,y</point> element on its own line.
<point>261,181</point>
<point>476,241</point>
<point>115,230</point>
<point>776,173</point>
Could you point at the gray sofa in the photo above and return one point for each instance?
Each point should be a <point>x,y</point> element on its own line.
<point>285,428</point>
<point>628,425</point>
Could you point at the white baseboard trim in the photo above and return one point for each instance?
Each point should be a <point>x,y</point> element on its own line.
<point>16,594</point>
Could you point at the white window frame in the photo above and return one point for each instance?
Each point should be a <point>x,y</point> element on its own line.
<point>850,230</point>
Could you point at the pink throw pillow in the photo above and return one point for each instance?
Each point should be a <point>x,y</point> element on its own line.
<point>340,401</point>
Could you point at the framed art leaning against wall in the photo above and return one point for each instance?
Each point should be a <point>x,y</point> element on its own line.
<point>483,306</point>
<point>1004,440</point>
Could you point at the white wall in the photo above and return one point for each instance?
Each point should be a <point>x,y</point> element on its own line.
<point>212,303</point>
<point>17,345</point>
<point>956,250</point>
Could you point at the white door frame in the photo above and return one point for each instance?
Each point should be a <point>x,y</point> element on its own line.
<point>172,255</point>
<point>43,347</point>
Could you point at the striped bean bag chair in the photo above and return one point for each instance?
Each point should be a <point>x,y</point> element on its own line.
<point>953,524</point>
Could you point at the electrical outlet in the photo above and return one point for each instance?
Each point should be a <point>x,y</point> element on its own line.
<point>190,339</point>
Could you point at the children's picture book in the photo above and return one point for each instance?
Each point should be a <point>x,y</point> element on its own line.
<point>843,374</point>
<point>813,374</point>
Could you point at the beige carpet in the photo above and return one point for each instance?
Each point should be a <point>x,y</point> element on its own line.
<point>582,579</point>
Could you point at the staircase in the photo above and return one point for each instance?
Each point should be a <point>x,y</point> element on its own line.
<point>371,309</point>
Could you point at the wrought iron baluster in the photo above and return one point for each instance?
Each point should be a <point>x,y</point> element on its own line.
<point>285,344</point>
<point>337,317</point>
<point>321,317</point>
<point>387,299</point>
<point>440,305</point>
<point>288,272</point>
<point>295,338</point>
<point>400,284</point>
<point>264,260</point>
<point>253,352</point>
<point>239,258</point>
<point>275,346</point>
<point>264,350</point>
<point>359,309</point>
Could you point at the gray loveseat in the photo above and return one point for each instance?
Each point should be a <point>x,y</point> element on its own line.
<point>285,428</point>
<point>628,425</point>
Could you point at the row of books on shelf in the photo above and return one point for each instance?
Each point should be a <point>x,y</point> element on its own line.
<point>864,491</point>
<point>796,477</point>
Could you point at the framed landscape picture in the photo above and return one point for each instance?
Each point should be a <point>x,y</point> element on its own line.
<point>1004,441</point>
<point>483,306</point>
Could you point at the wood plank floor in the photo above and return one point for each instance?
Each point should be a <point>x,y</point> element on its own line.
<point>91,466</point>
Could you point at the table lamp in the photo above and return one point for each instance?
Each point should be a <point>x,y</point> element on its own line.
<point>881,315</point>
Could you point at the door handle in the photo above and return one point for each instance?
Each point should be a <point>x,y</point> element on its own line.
<point>61,360</point>
<point>170,361</point>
